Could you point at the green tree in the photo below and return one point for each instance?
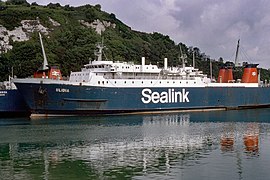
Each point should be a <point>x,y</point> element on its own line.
<point>220,60</point>
<point>98,7</point>
<point>17,2</point>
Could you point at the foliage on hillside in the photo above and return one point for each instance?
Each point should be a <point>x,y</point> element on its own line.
<point>72,45</point>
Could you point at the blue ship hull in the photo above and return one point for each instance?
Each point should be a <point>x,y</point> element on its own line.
<point>59,99</point>
<point>12,104</point>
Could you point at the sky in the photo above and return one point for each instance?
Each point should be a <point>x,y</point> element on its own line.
<point>214,26</point>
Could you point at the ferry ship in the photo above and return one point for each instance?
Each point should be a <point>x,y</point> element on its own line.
<point>107,87</point>
<point>11,101</point>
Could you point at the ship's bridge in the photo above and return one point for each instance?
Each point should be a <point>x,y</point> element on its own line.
<point>123,67</point>
<point>98,66</point>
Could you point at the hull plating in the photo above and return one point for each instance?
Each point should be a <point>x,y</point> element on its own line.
<point>55,99</point>
<point>12,104</point>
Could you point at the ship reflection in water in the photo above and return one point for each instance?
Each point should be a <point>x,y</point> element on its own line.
<point>208,145</point>
<point>250,138</point>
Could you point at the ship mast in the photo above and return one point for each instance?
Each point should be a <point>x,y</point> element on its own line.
<point>193,58</point>
<point>183,57</point>
<point>45,62</point>
<point>236,53</point>
<point>211,71</point>
<point>98,53</point>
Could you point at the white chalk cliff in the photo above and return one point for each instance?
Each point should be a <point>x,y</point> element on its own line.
<point>23,32</point>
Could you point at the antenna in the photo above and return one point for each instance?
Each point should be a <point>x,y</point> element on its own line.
<point>211,71</point>
<point>98,53</point>
<point>12,72</point>
<point>182,57</point>
<point>193,58</point>
<point>45,62</point>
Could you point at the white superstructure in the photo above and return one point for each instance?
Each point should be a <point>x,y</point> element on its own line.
<point>127,74</point>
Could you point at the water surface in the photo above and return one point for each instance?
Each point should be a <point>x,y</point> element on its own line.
<point>205,145</point>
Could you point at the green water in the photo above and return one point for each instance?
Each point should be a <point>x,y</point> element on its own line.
<point>205,145</point>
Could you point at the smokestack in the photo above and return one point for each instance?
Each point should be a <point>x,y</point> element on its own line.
<point>165,63</point>
<point>222,75</point>
<point>143,61</point>
<point>250,74</point>
<point>229,74</point>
